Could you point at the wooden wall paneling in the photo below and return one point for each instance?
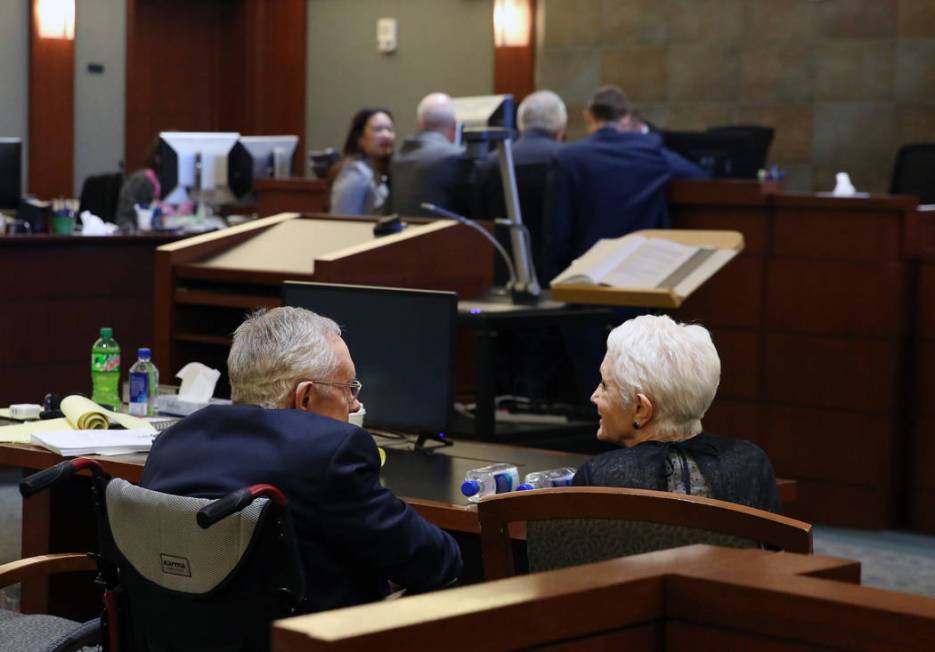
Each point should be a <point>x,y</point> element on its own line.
<point>858,374</point>
<point>733,297</point>
<point>838,297</point>
<point>750,222</point>
<point>835,228</point>
<point>514,68</point>
<point>51,142</point>
<point>828,445</point>
<point>739,350</point>
<point>845,505</point>
<point>279,74</point>
<point>737,418</point>
<point>173,71</point>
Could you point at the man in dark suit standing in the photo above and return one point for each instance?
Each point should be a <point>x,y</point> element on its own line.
<point>293,386</point>
<point>542,118</point>
<point>609,184</point>
<point>429,167</point>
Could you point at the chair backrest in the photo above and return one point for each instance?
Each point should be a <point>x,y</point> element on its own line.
<point>575,525</point>
<point>914,172</point>
<point>188,588</point>
<point>100,194</point>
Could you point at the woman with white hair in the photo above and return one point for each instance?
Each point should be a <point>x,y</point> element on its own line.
<point>658,379</point>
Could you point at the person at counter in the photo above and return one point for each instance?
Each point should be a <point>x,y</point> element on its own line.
<point>429,167</point>
<point>360,183</point>
<point>608,184</point>
<point>140,188</point>
<point>293,386</point>
<point>658,379</point>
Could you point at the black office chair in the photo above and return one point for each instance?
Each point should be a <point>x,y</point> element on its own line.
<point>914,172</point>
<point>184,573</point>
<point>100,194</point>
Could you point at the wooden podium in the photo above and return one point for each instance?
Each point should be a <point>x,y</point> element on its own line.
<point>206,285</point>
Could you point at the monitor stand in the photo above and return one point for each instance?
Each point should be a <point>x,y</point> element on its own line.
<point>425,438</point>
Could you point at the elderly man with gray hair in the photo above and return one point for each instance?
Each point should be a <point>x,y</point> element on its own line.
<point>293,385</point>
<point>429,167</point>
<point>542,118</point>
<point>658,379</point>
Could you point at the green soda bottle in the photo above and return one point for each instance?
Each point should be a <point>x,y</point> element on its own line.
<point>105,369</point>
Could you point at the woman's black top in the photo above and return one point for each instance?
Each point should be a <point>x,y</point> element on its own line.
<point>735,470</point>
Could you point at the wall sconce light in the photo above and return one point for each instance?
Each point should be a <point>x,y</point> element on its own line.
<point>512,23</point>
<point>56,18</point>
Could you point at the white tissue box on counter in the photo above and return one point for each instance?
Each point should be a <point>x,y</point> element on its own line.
<point>172,404</point>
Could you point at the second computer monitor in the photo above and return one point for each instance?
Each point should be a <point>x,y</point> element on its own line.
<point>259,157</point>
<point>193,166</point>
<point>402,343</point>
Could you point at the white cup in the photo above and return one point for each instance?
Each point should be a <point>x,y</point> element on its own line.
<point>357,418</point>
<point>144,218</point>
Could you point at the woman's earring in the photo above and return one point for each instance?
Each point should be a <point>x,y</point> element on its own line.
<point>636,425</point>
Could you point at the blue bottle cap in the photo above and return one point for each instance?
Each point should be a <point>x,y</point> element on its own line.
<point>144,352</point>
<point>470,487</point>
<point>525,487</point>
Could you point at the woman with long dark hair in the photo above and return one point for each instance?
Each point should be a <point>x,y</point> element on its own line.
<point>360,186</point>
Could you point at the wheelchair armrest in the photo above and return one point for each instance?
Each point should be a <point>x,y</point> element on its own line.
<point>66,562</point>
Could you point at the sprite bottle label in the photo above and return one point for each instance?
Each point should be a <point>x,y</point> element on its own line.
<point>105,361</point>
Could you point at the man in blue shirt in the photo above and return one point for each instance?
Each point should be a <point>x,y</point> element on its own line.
<point>609,184</point>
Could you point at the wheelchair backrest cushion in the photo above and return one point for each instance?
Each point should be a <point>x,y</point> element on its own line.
<point>158,535</point>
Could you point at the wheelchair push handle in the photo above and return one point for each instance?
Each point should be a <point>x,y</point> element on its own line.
<point>46,478</point>
<point>236,501</point>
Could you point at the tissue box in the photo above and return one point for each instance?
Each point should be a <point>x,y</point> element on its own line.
<point>172,404</point>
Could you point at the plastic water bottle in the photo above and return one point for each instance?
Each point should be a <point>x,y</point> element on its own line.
<point>144,382</point>
<point>560,477</point>
<point>487,480</point>
<point>105,369</point>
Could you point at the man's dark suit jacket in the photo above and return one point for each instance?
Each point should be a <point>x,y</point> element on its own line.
<point>606,186</point>
<point>353,534</point>
<point>428,168</point>
<point>533,152</point>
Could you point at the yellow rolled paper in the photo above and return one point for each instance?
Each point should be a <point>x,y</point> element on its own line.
<point>84,414</point>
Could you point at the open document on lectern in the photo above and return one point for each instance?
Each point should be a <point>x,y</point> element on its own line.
<point>635,261</point>
<point>652,268</point>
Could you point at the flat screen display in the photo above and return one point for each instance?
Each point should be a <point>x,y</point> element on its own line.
<point>401,342</point>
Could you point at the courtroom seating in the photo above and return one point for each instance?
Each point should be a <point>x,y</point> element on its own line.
<point>567,526</point>
<point>914,172</point>
<point>100,194</point>
<point>45,632</point>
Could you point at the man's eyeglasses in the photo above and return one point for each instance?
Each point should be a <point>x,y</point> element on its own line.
<point>354,386</point>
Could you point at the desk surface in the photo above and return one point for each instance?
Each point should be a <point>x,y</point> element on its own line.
<point>430,482</point>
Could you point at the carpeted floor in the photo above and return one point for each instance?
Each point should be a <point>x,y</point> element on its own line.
<point>899,561</point>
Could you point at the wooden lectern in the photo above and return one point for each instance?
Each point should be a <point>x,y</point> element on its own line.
<point>206,285</point>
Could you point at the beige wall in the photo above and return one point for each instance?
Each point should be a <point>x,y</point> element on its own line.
<point>14,73</point>
<point>444,45</point>
<point>844,82</point>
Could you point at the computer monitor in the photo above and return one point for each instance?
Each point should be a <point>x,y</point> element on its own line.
<point>723,152</point>
<point>259,157</point>
<point>193,166</point>
<point>402,343</point>
<point>484,111</point>
<point>11,172</point>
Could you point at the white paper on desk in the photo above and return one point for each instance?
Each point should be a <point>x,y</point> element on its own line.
<point>21,433</point>
<point>70,443</point>
<point>91,224</point>
<point>198,382</point>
